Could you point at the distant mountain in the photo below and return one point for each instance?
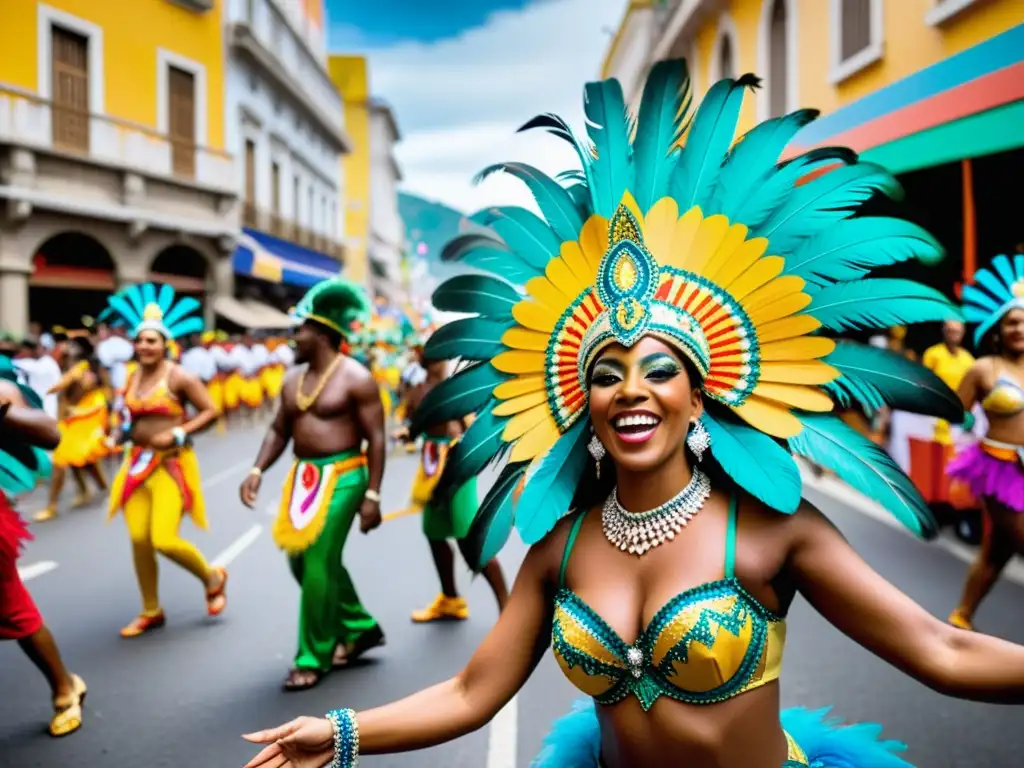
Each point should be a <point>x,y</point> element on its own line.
<point>428,228</point>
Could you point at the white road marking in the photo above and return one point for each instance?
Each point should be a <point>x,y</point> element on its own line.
<point>501,738</point>
<point>238,546</point>
<point>27,572</point>
<point>234,471</point>
<point>843,493</point>
<point>273,508</point>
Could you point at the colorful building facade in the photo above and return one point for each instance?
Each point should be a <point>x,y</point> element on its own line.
<point>931,89</point>
<point>112,146</point>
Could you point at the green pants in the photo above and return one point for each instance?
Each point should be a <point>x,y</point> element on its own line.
<point>330,611</point>
<point>452,520</point>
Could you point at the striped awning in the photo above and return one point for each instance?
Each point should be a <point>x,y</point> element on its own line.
<point>273,260</point>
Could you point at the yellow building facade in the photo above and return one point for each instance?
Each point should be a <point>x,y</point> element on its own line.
<point>112,128</point>
<point>350,76</point>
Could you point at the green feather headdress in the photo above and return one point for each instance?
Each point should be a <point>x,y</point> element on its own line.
<point>335,303</point>
<point>744,264</point>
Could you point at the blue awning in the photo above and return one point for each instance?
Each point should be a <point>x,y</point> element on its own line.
<point>269,258</point>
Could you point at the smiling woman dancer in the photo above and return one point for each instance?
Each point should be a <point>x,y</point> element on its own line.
<point>672,329</point>
<point>994,468</point>
<point>159,480</point>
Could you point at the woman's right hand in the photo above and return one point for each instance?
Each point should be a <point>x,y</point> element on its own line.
<point>306,742</point>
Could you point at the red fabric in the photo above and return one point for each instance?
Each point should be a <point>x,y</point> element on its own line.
<point>19,616</point>
<point>13,531</point>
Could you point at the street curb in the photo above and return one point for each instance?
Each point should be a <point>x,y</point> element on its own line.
<point>841,492</point>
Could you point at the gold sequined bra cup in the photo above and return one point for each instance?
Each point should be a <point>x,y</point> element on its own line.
<point>707,644</point>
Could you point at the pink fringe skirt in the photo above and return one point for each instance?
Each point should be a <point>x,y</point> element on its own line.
<point>989,477</point>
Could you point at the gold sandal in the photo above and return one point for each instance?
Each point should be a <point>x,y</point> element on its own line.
<point>67,717</point>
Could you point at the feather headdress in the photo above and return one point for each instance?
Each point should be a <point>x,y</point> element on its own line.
<point>335,303</point>
<point>742,263</point>
<point>993,293</point>
<point>147,307</point>
<point>21,464</point>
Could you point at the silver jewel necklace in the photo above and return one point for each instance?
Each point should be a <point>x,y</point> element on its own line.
<point>637,532</point>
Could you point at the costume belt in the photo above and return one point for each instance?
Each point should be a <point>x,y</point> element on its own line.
<point>1003,451</point>
<point>143,462</point>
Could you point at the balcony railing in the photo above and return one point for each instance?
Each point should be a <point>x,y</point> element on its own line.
<point>279,226</point>
<point>29,121</point>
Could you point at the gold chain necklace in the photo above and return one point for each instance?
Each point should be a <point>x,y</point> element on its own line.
<point>306,401</point>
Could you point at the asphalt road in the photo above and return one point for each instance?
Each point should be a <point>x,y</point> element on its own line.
<point>182,696</point>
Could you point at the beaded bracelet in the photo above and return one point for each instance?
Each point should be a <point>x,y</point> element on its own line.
<point>346,738</point>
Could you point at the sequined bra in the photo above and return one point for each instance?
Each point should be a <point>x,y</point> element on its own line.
<point>157,402</point>
<point>707,644</point>
<point>1006,397</point>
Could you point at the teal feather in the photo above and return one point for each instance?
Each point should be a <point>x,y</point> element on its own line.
<point>978,305</point>
<point>480,445</point>
<point>556,126</point>
<point>828,442</point>
<point>15,446</point>
<point>471,338</point>
<point>850,249</point>
<point>774,188</point>
<point>554,202</point>
<point>187,326</point>
<point>523,232</point>
<point>708,141</point>
<point>124,305</point>
<point>476,294</point>
<point>551,486</point>
<point>1001,264</point>
<point>106,315</point>
<point>879,302</point>
<point>580,194</point>
<point>490,255</point>
<point>165,298</point>
<point>148,294</point>
<point>755,156</point>
<point>15,477</point>
<point>494,521</point>
<point>757,463</point>
<point>877,377</point>
<point>44,465</point>
<point>608,128</point>
<point>662,121</point>
<point>185,306</point>
<point>987,280</point>
<point>820,203</point>
<point>466,392</point>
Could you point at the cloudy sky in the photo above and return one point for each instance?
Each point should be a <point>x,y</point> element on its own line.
<point>461,81</point>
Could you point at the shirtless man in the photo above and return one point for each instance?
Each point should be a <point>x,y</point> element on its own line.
<point>445,519</point>
<point>328,410</point>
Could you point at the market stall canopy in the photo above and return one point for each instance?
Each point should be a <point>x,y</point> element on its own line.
<point>269,258</point>
<point>250,313</point>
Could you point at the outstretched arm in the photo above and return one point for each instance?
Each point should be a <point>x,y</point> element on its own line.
<point>370,413</point>
<point>31,424</point>
<point>874,613</point>
<point>448,710</point>
<point>277,437</point>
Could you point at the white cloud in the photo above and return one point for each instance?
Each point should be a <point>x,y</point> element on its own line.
<point>459,101</point>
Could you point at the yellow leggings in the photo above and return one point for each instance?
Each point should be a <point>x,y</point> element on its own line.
<point>153,514</point>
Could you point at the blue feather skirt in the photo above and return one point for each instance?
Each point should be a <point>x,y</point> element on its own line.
<point>575,741</point>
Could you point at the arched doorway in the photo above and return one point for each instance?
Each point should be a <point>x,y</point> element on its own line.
<point>182,267</point>
<point>72,275</point>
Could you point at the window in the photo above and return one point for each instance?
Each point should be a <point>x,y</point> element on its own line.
<point>275,188</point>
<point>69,70</point>
<point>296,186</point>
<point>324,229</point>
<point>779,53</point>
<point>856,27</point>
<point>725,50</point>
<point>249,209</point>
<point>181,113</point>
<point>312,207</point>
<point>725,65</point>
<point>944,10</point>
<point>250,12</point>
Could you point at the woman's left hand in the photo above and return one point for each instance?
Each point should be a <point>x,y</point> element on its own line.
<point>306,742</point>
<point>162,441</point>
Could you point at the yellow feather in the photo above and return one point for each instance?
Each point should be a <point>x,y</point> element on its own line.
<point>523,422</point>
<point>573,257</point>
<point>726,251</point>
<point>795,396</point>
<point>725,271</point>
<point>537,441</point>
<point>801,348</point>
<point>547,294</point>
<point>520,385</point>
<point>809,372</point>
<point>659,226</point>
<point>521,338</point>
<point>594,241</point>
<point>773,291</point>
<point>517,361</point>
<point>764,269</point>
<point>769,417</point>
<point>518,404</point>
<point>790,305</point>
<point>706,243</point>
<point>682,237</point>
<point>536,316</point>
<point>787,328</point>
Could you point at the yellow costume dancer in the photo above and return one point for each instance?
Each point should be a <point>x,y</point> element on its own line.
<point>272,375</point>
<point>158,483</point>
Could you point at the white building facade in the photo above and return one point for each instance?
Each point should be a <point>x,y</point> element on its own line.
<point>387,231</point>
<point>285,127</point>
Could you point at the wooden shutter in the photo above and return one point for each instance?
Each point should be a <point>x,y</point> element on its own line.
<point>856,27</point>
<point>249,212</point>
<point>69,67</point>
<point>778,80</point>
<point>181,109</point>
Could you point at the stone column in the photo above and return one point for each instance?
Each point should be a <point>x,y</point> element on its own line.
<point>15,269</point>
<point>221,282</point>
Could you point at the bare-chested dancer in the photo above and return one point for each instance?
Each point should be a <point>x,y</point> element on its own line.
<point>447,518</point>
<point>328,409</point>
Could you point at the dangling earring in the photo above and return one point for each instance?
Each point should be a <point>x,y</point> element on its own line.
<point>598,451</point>
<point>698,440</point>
